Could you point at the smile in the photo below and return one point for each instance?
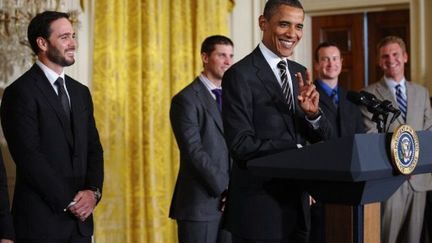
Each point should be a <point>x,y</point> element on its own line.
<point>287,44</point>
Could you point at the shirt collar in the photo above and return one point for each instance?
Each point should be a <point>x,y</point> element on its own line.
<point>271,58</point>
<point>392,83</point>
<point>49,73</point>
<point>327,89</point>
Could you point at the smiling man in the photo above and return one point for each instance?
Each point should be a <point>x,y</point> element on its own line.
<point>345,117</point>
<point>199,195</point>
<point>47,120</point>
<point>403,212</point>
<point>269,107</point>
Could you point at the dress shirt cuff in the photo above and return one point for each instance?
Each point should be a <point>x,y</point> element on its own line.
<point>315,122</point>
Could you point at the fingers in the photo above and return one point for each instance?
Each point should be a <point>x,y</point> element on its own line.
<point>308,77</point>
<point>85,203</point>
<point>302,82</point>
<point>78,196</point>
<point>300,79</point>
<point>82,213</point>
<point>311,200</point>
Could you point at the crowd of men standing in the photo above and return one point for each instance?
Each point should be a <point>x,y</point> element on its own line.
<point>269,105</point>
<point>228,115</point>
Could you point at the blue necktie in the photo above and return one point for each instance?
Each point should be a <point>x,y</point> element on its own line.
<point>334,97</point>
<point>218,94</point>
<point>282,65</point>
<point>402,103</point>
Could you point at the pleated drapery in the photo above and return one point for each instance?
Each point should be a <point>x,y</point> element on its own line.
<point>144,52</point>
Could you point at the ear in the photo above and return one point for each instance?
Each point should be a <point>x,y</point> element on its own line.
<point>262,22</point>
<point>42,43</point>
<point>405,57</point>
<point>204,57</point>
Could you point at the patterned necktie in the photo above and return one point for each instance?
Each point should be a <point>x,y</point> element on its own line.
<point>402,103</point>
<point>282,65</point>
<point>63,96</point>
<point>218,94</point>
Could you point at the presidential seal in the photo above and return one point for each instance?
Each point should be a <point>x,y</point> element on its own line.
<point>405,148</point>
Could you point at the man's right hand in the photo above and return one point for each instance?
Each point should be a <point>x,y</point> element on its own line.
<point>223,199</point>
<point>5,241</point>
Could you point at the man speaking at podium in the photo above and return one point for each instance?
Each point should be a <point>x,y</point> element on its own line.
<point>404,211</point>
<point>269,108</point>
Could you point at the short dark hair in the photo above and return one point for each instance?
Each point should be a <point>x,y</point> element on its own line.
<point>209,43</point>
<point>271,6</point>
<point>40,26</point>
<point>324,45</point>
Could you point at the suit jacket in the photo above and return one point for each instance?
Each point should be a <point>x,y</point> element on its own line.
<point>55,157</point>
<point>258,122</point>
<point>419,117</point>
<point>6,225</point>
<point>346,119</point>
<point>204,159</point>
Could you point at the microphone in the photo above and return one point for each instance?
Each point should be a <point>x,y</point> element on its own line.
<point>386,105</point>
<point>373,104</point>
<point>366,99</point>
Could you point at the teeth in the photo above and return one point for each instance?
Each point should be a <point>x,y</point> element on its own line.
<point>287,44</point>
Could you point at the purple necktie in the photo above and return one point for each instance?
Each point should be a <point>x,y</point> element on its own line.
<point>218,94</point>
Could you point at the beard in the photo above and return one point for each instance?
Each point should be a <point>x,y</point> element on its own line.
<point>55,56</point>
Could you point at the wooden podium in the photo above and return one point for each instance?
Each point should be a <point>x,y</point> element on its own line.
<point>351,175</point>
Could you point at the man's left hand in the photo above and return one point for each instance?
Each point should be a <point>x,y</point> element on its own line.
<point>308,96</point>
<point>85,204</point>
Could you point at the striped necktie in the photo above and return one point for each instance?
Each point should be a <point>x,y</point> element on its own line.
<point>402,102</point>
<point>282,65</point>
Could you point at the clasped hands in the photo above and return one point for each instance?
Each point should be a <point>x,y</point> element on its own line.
<point>83,204</point>
<point>308,96</point>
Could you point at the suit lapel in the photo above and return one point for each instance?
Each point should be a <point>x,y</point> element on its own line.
<point>209,103</point>
<point>268,79</point>
<point>386,94</point>
<point>345,114</point>
<point>325,100</point>
<point>411,97</point>
<point>76,106</point>
<point>47,90</point>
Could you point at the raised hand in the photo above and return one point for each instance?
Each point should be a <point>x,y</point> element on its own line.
<point>308,96</point>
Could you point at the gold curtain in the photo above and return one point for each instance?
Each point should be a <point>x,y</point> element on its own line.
<point>144,52</point>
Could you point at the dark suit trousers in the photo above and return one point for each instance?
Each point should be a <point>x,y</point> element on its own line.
<point>76,237</point>
<point>202,232</point>
<point>296,237</point>
<point>242,240</point>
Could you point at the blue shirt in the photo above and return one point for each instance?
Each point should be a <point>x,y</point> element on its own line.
<point>329,91</point>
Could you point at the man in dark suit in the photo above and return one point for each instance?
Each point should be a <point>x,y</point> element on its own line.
<point>48,122</point>
<point>7,234</point>
<point>199,194</point>
<point>345,117</point>
<point>268,108</point>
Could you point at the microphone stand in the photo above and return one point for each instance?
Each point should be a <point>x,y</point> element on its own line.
<point>380,120</point>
